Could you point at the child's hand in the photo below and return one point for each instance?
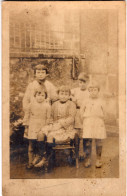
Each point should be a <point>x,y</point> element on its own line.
<point>26,132</point>
<point>74,99</point>
<point>46,129</point>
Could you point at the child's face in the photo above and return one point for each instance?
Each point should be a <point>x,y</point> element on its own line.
<point>93,92</point>
<point>40,97</point>
<point>82,84</point>
<point>64,96</point>
<point>40,74</point>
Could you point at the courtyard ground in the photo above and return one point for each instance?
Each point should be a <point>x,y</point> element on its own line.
<point>110,168</point>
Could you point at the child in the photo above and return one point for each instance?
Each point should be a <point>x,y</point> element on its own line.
<point>41,74</point>
<point>36,116</point>
<point>93,124</point>
<point>80,94</point>
<point>63,114</point>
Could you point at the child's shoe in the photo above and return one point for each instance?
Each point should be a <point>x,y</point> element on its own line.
<point>41,163</point>
<point>87,163</point>
<point>29,166</point>
<point>36,159</point>
<point>98,163</point>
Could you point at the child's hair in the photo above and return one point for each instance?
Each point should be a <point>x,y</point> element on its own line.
<point>83,77</point>
<point>41,67</point>
<point>94,84</point>
<point>65,89</point>
<point>40,91</point>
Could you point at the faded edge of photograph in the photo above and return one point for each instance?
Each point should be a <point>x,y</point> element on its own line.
<point>64,111</point>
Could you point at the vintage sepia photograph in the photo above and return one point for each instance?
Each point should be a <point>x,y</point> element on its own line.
<point>65,93</point>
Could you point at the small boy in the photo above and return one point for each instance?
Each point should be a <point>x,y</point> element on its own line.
<point>78,95</point>
<point>41,74</point>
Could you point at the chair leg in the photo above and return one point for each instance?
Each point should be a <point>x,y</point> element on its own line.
<point>77,150</point>
<point>77,164</point>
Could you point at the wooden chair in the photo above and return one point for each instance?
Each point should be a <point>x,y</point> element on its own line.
<point>71,144</point>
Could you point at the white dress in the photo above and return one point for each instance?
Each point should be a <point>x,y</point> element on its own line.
<point>93,119</point>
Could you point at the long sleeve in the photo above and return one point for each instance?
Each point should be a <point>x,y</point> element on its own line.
<point>26,99</point>
<point>26,116</point>
<point>82,110</point>
<point>52,91</point>
<point>66,122</point>
<point>48,117</point>
<point>73,98</point>
<point>52,113</point>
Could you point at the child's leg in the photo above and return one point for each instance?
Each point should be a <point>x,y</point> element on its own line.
<point>41,144</point>
<point>81,152</point>
<point>50,153</point>
<point>31,151</point>
<point>98,152</point>
<point>45,151</point>
<point>49,147</point>
<point>98,148</point>
<point>41,148</point>
<point>41,151</point>
<point>36,153</point>
<point>87,147</point>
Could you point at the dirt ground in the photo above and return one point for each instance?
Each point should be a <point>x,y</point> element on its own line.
<point>110,168</point>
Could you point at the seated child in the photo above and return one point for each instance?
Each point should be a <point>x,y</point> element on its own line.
<point>62,114</point>
<point>92,113</point>
<point>78,95</point>
<point>36,116</point>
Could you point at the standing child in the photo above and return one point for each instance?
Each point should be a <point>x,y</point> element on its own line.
<point>80,94</point>
<point>93,124</point>
<point>37,115</point>
<point>40,80</point>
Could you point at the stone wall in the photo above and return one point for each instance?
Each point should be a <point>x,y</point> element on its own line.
<point>22,73</point>
<point>99,43</point>
<point>96,39</point>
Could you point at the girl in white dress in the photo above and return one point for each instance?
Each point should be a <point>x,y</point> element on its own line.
<point>92,113</point>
